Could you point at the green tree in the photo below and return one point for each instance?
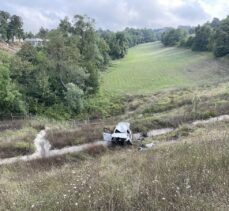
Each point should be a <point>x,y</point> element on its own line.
<point>119,46</point>
<point>83,28</point>
<point>4,18</point>
<point>65,26</point>
<point>148,35</point>
<point>215,23</point>
<point>221,39</point>
<point>201,41</point>
<point>29,69</point>
<point>73,97</point>
<point>28,53</point>
<point>29,35</point>
<point>15,28</point>
<point>43,33</point>
<point>10,97</point>
<point>64,70</point>
<point>189,42</point>
<point>65,60</point>
<point>102,53</point>
<point>173,37</point>
<point>118,43</point>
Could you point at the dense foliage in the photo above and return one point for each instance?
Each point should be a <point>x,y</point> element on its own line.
<point>173,37</point>
<point>117,43</point>
<point>120,42</point>
<point>60,78</point>
<point>67,68</point>
<point>138,36</point>
<point>221,38</point>
<point>212,36</point>
<point>10,97</point>
<point>202,39</point>
<point>10,27</point>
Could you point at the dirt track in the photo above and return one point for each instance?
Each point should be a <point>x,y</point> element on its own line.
<point>43,146</point>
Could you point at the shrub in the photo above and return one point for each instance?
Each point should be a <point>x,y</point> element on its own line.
<point>57,111</point>
<point>73,97</point>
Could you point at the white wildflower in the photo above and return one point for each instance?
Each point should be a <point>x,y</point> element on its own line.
<point>188,186</point>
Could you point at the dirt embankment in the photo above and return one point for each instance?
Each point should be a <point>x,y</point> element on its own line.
<point>11,48</point>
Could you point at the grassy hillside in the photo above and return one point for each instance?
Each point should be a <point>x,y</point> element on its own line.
<point>150,67</point>
<point>187,169</point>
<point>191,174</point>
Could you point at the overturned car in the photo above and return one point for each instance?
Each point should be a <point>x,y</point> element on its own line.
<point>121,134</point>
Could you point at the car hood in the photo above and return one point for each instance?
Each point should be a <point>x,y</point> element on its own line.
<point>119,135</point>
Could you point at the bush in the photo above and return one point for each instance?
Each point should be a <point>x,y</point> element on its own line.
<point>101,106</point>
<point>10,97</point>
<point>73,96</point>
<point>57,111</point>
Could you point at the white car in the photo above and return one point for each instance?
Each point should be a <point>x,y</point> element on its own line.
<point>121,134</point>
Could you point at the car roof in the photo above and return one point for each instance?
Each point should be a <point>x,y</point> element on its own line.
<point>122,127</point>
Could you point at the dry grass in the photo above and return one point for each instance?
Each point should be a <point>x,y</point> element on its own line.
<point>63,137</point>
<point>174,107</point>
<point>13,125</point>
<point>20,148</point>
<point>17,142</point>
<point>192,175</point>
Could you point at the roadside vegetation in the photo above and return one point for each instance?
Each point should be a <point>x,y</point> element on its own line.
<point>176,108</point>
<point>192,174</point>
<point>17,136</point>
<point>17,143</point>
<point>179,106</point>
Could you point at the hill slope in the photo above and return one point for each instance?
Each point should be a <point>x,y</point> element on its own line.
<point>187,169</point>
<point>151,67</point>
<point>10,48</point>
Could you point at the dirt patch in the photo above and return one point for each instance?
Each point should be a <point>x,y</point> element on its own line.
<point>11,48</point>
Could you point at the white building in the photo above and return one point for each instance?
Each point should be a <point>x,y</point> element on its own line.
<point>35,41</point>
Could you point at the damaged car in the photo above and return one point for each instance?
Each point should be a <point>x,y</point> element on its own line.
<point>121,134</point>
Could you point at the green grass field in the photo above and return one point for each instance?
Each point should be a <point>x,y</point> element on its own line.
<point>151,67</point>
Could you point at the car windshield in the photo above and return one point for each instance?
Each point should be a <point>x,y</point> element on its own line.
<point>117,131</point>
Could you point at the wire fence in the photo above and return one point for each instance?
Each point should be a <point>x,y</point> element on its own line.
<point>15,116</point>
<point>12,118</point>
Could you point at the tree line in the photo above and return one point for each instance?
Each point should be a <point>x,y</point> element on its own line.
<point>120,42</point>
<point>211,36</point>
